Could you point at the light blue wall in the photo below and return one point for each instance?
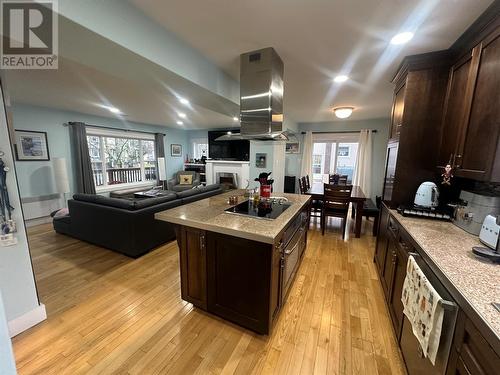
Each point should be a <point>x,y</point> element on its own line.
<point>36,178</point>
<point>379,143</point>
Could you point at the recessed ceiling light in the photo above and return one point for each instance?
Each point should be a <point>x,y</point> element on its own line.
<point>343,112</point>
<point>181,115</point>
<point>112,109</point>
<point>341,78</point>
<point>184,101</point>
<point>402,38</point>
<point>235,118</point>
<point>180,123</point>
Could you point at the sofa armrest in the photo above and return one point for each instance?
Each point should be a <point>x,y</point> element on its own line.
<point>171,183</point>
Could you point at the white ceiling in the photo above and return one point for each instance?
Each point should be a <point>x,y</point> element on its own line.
<point>318,39</point>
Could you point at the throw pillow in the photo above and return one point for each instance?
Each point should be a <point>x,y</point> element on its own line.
<point>185,179</point>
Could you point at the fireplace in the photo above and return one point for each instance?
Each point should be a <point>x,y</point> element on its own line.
<point>228,181</point>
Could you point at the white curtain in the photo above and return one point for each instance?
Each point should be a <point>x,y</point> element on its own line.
<point>363,173</point>
<point>306,167</point>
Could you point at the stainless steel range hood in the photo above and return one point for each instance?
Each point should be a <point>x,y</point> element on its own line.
<point>261,96</point>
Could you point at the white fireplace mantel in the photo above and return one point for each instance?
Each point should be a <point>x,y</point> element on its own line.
<point>241,168</point>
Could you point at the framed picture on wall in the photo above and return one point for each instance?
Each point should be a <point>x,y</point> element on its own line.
<point>31,145</point>
<point>260,160</point>
<point>292,148</point>
<point>175,150</point>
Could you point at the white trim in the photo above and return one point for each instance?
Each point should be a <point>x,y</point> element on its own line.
<point>27,320</point>
<point>108,188</point>
<point>119,133</point>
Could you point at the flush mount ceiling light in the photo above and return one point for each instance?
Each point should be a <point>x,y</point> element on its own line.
<point>235,118</point>
<point>229,133</point>
<point>402,38</point>
<point>184,101</point>
<point>180,123</point>
<point>340,78</point>
<point>343,112</point>
<point>181,115</point>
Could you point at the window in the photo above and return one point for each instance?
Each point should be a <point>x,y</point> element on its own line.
<point>200,147</point>
<point>334,153</point>
<point>121,158</point>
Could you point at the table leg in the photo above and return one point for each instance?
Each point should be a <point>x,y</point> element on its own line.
<point>353,210</point>
<point>359,218</point>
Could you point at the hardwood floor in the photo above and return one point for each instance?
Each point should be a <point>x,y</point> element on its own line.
<point>110,314</point>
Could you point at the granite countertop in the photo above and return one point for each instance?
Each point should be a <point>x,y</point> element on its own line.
<point>208,214</point>
<point>450,248</point>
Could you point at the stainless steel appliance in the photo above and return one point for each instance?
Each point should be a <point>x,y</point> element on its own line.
<point>294,243</point>
<point>261,96</point>
<point>489,235</point>
<point>470,214</point>
<point>415,362</point>
<point>427,195</point>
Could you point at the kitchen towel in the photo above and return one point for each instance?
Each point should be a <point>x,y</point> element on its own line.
<point>423,308</point>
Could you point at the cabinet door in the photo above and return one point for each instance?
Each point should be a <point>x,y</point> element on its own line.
<point>458,100</point>
<point>395,304</point>
<point>193,260</point>
<point>389,267</point>
<point>382,241</point>
<point>397,112</point>
<point>478,148</point>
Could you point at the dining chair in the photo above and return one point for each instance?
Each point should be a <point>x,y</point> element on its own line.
<point>302,188</point>
<point>333,179</point>
<point>308,184</point>
<point>304,183</point>
<point>371,209</point>
<point>336,204</point>
<point>343,179</point>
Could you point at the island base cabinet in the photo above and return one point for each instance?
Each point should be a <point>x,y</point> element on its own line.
<point>193,265</point>
<point>238,272</point>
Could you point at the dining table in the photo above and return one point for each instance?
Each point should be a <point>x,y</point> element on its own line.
<point>358,198</point>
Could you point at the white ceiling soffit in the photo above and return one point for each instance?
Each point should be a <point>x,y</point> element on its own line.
<point>94,71</point>
<point>318,39</point>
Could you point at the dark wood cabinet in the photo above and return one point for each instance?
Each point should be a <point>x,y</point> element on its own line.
<point>382,241</point>
<point>397,111</point>
<point>471,352</point>
<point>420,88</point>
<point>193,262</point>
<point>456,106</point>
<point>478,151</point>
<point>471,122</point>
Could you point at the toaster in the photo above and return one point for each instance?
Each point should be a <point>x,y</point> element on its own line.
<point>489,231</point>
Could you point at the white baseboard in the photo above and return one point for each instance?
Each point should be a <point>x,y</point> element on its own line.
<point>28,320</point>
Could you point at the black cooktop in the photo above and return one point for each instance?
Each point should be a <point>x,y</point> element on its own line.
<point>263,210</point>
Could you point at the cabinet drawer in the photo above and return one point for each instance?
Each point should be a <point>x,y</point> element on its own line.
<point>405,244</point>
<point>477,355</point>
<point>393,227</point>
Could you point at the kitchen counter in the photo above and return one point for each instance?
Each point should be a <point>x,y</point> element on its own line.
<point>208,214</point>
<point>450,248</point>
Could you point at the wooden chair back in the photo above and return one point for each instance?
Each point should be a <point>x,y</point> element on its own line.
<point>337,197</point>
<point>343,179</point>
<point>333,179</point>
<point>302,187</point>
<point>308,184</point>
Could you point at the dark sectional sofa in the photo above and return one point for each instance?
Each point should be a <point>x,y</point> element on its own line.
<point>126,226</point>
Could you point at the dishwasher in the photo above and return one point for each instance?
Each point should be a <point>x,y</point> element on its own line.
<point>414,358</point>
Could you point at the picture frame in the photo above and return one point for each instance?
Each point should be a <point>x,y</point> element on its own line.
<point>260,160</point>
<point>176,150</point>
<point>292,148</point>
<point>31,145</point>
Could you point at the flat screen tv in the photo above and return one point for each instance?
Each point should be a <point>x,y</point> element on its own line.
<point>227,150</point>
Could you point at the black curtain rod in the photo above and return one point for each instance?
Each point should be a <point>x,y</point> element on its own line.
<point>342,131</point>
<point>111,128</point>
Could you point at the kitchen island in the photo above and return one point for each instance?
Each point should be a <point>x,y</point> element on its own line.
<point>238,267</point>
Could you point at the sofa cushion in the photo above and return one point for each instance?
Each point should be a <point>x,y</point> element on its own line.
<point>105,201</point>
<point>185,179</point>
<point>127,192</point>
<point>148,202</point>
<point>197,190</point>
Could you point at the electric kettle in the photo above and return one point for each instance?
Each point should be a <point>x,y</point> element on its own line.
<point>427,195</point>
